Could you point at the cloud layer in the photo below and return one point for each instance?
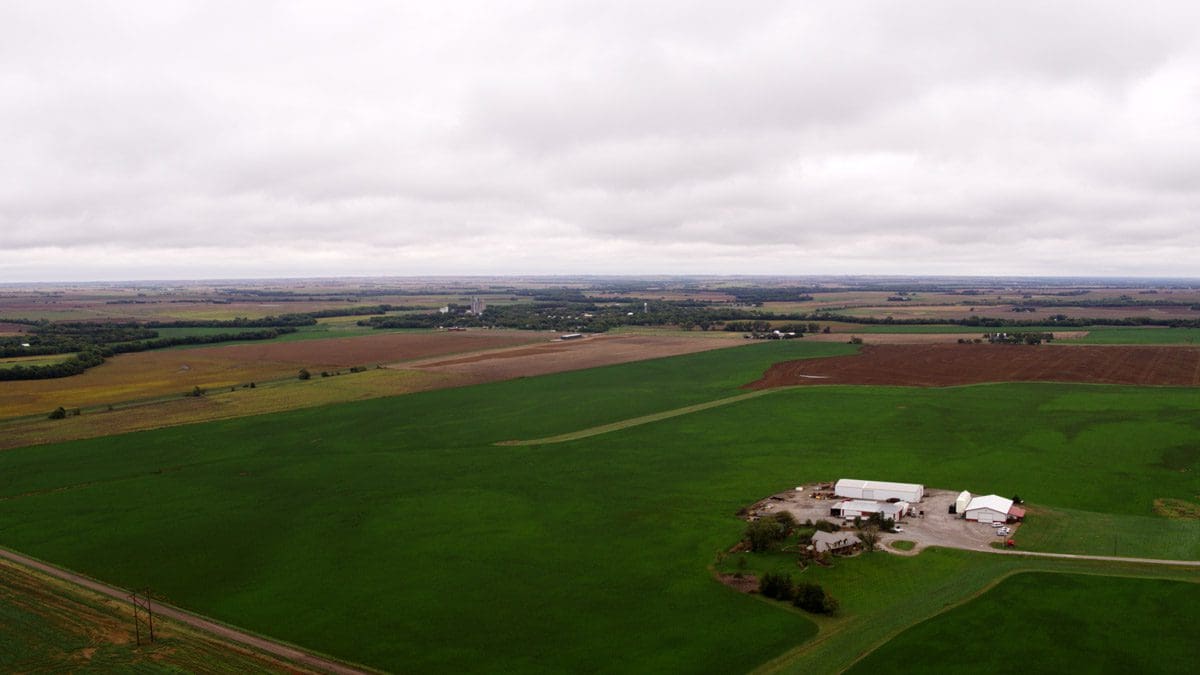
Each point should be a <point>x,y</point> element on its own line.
<point>183,140</point>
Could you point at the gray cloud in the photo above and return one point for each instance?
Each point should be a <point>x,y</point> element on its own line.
<point>180,139</point>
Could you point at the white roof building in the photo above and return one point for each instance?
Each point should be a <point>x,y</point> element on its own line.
<point>853,488</point>
<point>863,508</point>
<point>988,509</point>
<point>833,541</point>
<point>960,504</point>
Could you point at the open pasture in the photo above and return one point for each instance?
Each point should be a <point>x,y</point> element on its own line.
<point>1056,623</point>
<point>373,531</point>
<point>940,365</point>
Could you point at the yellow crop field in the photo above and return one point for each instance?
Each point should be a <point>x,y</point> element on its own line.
<point>218,404</point>
<point>134,377</point>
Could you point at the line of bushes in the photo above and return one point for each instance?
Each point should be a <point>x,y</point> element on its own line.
<point>809,597</point>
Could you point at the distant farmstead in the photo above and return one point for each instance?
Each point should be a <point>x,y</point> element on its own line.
<point>853,488</point>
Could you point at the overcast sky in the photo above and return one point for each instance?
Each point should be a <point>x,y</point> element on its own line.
<point>185,140</point>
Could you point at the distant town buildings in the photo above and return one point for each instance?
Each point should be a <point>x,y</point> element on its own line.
<point>477,305</point>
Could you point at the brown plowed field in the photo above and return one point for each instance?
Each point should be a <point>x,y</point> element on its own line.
<point>942,365</point>
<point>555,357</point>
<point>368,349</point>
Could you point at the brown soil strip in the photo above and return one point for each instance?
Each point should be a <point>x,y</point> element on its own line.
<point>556,357</point>
<point>367,349</point>
<point>942,365</point>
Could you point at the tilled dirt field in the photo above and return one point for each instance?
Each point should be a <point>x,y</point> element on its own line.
<point>941,365</point>
<point>559,356</point>
<point>368,349</point>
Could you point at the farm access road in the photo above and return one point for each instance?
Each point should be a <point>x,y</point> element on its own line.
<point>282,650</point>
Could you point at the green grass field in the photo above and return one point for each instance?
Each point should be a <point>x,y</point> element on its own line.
<point>1140,336</point>
<point>1066,624</point>
<point>394,533</point>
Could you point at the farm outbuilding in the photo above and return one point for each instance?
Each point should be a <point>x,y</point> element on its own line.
<point>836,542</point>
<point>988,509</point>
<point>852,488</point>
<point>863,508</point>
<point>960,504</point>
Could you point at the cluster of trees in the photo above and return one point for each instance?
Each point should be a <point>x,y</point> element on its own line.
<point>75,365</point>
<point>807,596</point>
<point>90,356</point>
<point>764,534</point>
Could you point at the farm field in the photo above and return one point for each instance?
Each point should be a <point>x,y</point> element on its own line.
<point>940,365</point>
<point>556,552</point>
<point>277,388</point>
<point>47,625</point>
<point>216,404</point>
<point>554,357</point>
<point>915,311</point>
<point>1141,336</point>
<point>174,372</point>
<point>1056,623</point>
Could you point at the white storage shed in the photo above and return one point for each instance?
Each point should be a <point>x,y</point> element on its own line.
<point>852,488</point>
<point>988,509</point>
<point>960,504</point>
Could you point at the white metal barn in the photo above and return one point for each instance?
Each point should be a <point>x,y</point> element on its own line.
<point>960,504</point>
<point>852,488</point>
<point>862,508</point>
<point>988,509</point>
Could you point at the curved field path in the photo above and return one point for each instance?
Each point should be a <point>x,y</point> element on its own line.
<point>943,365</point>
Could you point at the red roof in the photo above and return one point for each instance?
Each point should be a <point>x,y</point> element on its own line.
<point>1016,512</point>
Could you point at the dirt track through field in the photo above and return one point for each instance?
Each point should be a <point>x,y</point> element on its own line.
<point>942,365</point>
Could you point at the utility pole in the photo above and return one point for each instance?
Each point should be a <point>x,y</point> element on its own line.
<point>138,605</point>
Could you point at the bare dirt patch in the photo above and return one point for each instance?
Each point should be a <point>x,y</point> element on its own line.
<point>747,583</point>
<point>940,365</point>
<point>1177,508</point>
<point>555,357</point>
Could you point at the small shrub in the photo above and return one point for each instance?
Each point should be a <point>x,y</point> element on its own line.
<point>304,374</point>
<point>776,585</point>
<point>826,526</point>
<point>58,413</point>
<point>813,598</point>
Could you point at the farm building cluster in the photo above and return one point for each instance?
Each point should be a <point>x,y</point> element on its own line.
<point>864,498</point>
